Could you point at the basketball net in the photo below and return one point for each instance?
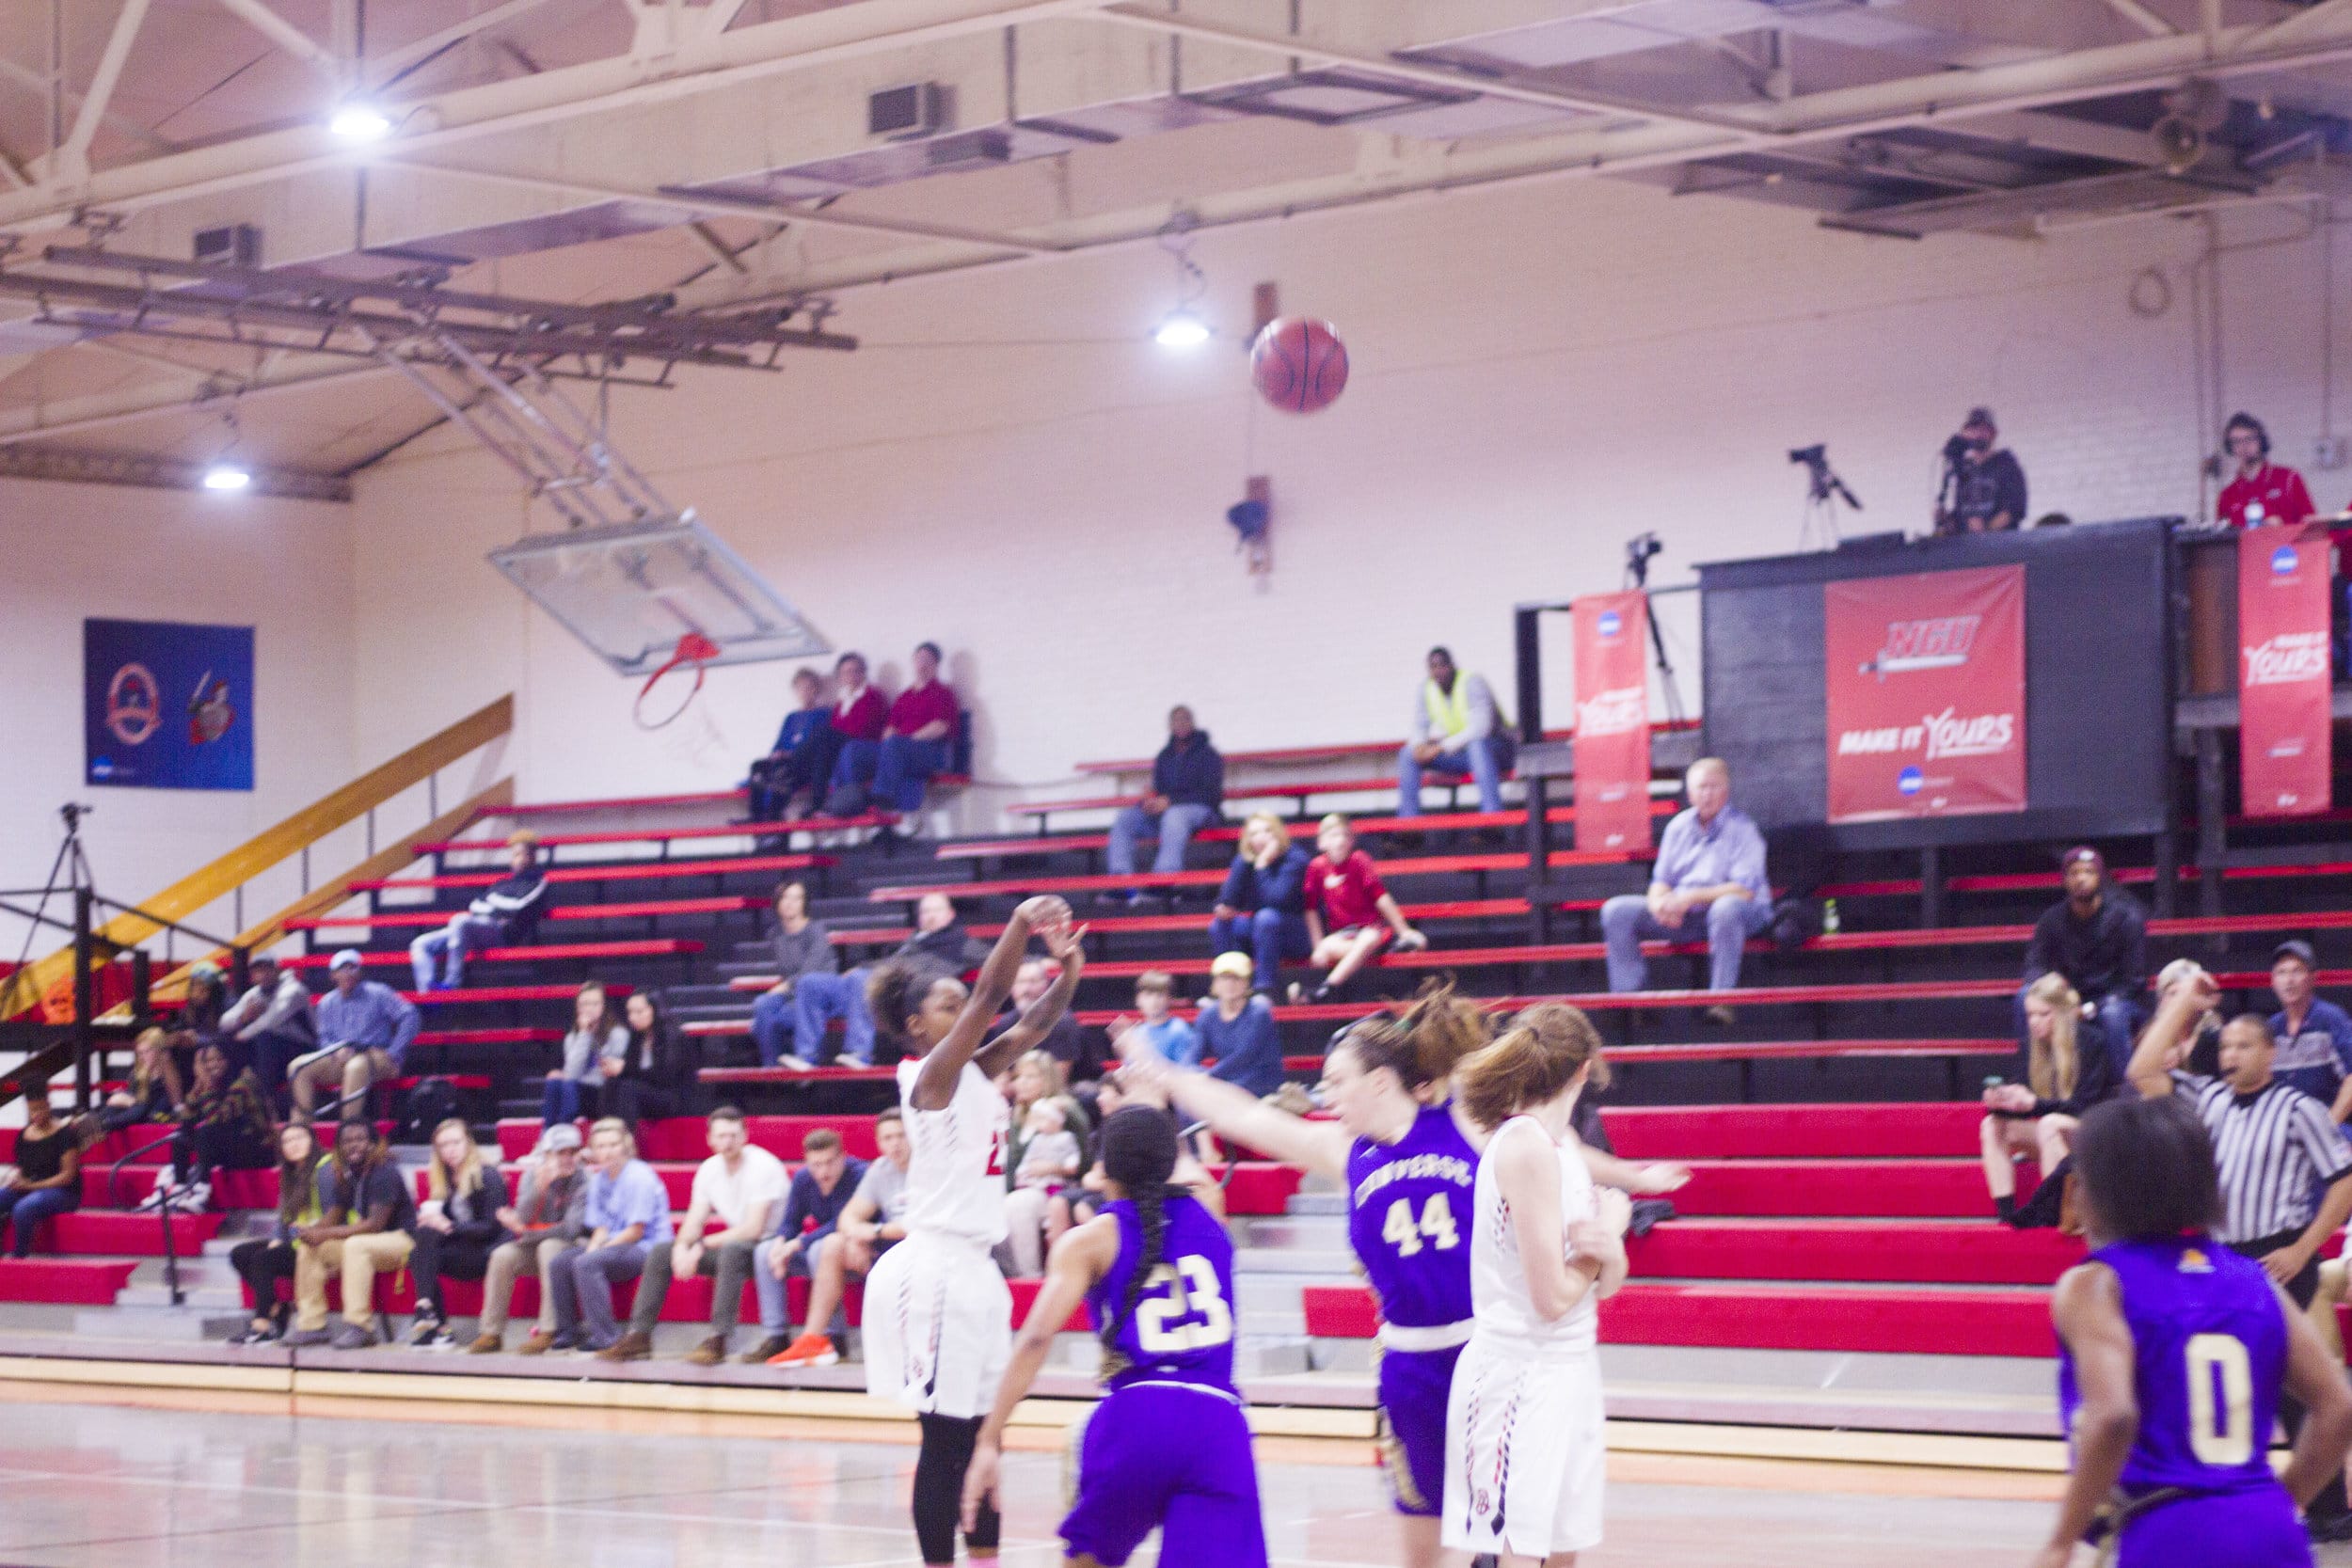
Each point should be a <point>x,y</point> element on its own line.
<point>657,704</point>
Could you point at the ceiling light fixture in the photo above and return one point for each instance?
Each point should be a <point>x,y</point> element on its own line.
<point>228,471</point>
<point>358,120</point>
<point>1183,327</point>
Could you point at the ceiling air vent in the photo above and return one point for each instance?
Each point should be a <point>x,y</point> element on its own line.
<point>918,109</point>
<point>233,245</point>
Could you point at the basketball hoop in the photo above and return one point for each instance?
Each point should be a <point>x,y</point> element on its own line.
<point>694,651</point>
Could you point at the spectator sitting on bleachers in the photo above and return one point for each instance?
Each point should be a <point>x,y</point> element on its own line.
<point>1456,731</point>
<point>1262,908</point>
<point>266,1260</point>
<point>874,1222</point>
<point>822,1188</point>
<point>2314,1036</point>
<point>365,1209</point>
<point>1350,915</point>
<point>1036,1079</point>
<point>2096,937</point>
<point>787,781</point>
<point>939,939</point>
<point>549,1214</point>
<point>1171,1036</point>
<point>857,717</point>
<point>2204,1051</point>
<point>225,1123</point>
<point>365,1028</point>
<point>596,1036</point>
<point>47,1180</point>
<point>911,742</point>
<point>803,946</point>
<point>920,741</point>
<point>272,1024</point>
<point>455,1229</point>
<point>1706,884</point>
<point>204,1005</point>
<point>506,911</point>
<point>2067,1070</point>
<point>627,1216</point>
<point>152,1093</point>
<point>1066,1042</point>
<point>736,1191</point>
<point>1237,1030</point>
<point>1081,1202</point>
<point>1187,794</point>
<point>656,1077</point>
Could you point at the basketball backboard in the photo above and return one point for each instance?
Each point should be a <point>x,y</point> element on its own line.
<point>632,591</point>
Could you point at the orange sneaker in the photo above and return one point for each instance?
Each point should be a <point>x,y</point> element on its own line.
<point>809,1350</point>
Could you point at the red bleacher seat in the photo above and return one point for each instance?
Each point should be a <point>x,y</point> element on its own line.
<point>63,1281</point>
<point>489,1036</point>
<point>1146,880</point>
<point>633,803</point>
<point>733,903</point>
<point>650,835</point>
<point>618,871</point>
<point>505,993</point>
<point>649,948</point>
<point>1459,908</point>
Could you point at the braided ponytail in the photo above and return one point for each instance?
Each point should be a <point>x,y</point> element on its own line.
<point>1139,1154</point>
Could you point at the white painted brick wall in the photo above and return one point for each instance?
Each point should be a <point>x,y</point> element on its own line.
<point>1538,374</point>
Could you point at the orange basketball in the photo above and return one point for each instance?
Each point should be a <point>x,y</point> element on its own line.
<point>1300,366</point>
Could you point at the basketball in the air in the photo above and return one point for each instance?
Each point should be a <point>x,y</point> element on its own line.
<point>1300,366</point>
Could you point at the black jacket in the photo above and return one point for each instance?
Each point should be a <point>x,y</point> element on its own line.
<point>951,947</point>
<point>475,1218</point>
<point>665,1062</point>
<point>515,901</point>
<point>2104,956</point>
<point>1191,774</point>
<point>1281,886</point>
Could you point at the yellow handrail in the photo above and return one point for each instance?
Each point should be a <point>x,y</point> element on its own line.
<point>200,888</point>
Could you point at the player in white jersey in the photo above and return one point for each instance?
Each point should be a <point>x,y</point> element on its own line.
<point>1524,1451</point>
<point>938,1322</point>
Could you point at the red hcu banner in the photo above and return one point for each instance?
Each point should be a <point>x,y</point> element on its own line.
<point>1611,721</point>
<point>2283,731</point>
<point>1926,694</point>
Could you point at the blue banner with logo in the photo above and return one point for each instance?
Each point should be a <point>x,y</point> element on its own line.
<point>166,706</point>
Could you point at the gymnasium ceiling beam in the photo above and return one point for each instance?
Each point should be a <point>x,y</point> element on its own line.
<point>617,84</point>
<point>1310,47</point>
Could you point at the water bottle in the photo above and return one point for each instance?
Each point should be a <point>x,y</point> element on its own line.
<point>2254,515</point>
<point>1829,918</point>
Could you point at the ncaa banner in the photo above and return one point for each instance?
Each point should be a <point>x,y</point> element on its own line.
<point>2283,730</point>
<point>1926,694</point>
<point>166,706</point>
<point>1611,721</point>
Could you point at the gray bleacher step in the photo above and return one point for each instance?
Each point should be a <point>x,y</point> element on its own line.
<point>1304,1203</point>
<point>1256,1262</point>
<point>160,1321</point>
<point>1325,1232</point>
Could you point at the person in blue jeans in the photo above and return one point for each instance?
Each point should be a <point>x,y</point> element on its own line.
<point>787,781</point>
<point>917,740</point>
<point>1706,884</point>
<point>48,1178</point>
<point>1457,729</point>
<point>1262,909</point>
<point>1187,794</point>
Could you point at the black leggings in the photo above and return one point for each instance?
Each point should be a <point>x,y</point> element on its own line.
<point>437,1258</point>
<point>261,1265</point>
<point>199,1149</point>
<point>946,1454</point>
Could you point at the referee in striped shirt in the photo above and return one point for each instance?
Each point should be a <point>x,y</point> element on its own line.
<point>2286,1170</point>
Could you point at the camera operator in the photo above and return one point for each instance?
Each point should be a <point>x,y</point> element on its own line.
<point>1985,489</point>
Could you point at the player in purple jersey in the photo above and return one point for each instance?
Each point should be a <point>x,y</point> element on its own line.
<point>1407,1159</point>
<point>2173,1352</point>
<point>1169,1446</point>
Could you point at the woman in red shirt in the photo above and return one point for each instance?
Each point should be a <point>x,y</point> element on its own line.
<point>914,741</point>
<point>1350,915</point>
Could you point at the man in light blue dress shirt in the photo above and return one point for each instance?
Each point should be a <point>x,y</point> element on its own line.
<point>1708,883</point>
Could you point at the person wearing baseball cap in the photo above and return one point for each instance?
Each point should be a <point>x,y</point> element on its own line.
<point>2098,939</point>
<point>549,1214</point>
<point>365,1028</point>
<point>2314,1036</point>
<point>272,1024</point>
<point>1236,1028</point>
<point>1984,489</point>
